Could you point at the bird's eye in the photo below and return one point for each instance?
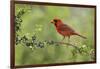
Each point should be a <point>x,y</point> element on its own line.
<point>55,21</point>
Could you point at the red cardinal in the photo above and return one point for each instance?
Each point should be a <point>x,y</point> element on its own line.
<point>64,29</point>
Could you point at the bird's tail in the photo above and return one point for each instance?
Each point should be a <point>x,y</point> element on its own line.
<point>81,36</point>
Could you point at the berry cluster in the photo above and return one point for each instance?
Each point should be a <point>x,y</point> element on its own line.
<point>24,40</point>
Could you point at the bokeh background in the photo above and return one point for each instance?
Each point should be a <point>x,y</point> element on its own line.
<point>37,19</point>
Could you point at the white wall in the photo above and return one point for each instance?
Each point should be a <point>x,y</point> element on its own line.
<point>5,34</point>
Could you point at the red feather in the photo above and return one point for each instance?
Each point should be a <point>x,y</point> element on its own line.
<point>64,29</point>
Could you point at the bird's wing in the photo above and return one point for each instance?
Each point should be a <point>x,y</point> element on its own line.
<point>65,27</point>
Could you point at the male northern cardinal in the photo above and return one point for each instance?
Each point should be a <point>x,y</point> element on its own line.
<point>64,29</point>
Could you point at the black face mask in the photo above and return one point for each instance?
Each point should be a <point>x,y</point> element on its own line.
<point>55,21</point>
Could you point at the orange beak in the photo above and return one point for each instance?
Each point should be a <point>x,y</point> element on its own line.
<point>52,21</point>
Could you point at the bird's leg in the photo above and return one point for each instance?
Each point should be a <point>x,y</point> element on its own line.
<point>68,39</point>
<point>63,38</point>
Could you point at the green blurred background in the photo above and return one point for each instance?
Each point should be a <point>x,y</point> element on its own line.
<point>37,19</point>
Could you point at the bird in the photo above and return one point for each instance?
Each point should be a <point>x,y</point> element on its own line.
<point>64,29</point>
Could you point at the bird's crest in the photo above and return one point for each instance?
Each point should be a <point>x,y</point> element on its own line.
<point>56,18</point>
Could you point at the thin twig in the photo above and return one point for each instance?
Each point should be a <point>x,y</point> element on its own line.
<point>69,45</point>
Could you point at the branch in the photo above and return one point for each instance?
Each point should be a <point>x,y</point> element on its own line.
<point>69,45</point>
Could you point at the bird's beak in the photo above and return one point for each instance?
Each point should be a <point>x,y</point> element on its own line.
<point>52,21</point>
